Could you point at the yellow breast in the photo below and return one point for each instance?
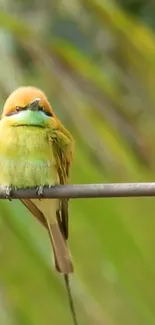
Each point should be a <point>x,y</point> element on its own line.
<point>26,157</point>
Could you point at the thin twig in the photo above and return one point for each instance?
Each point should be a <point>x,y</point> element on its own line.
<point>82,191</point>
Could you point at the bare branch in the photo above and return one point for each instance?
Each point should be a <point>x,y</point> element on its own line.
<point>82,191</point>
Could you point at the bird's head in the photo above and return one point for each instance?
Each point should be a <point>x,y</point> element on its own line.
<point>28,106</point>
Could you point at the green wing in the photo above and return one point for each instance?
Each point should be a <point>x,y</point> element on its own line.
<point>62,144</point>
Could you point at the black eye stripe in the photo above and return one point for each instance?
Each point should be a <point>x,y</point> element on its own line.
<point>48,113</point>
<point>20,109</point>
<point>45,112</point>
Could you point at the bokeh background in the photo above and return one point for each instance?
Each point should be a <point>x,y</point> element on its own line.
<point>95,59</point>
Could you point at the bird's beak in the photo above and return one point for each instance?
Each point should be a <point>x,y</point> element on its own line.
<point>34,105</point>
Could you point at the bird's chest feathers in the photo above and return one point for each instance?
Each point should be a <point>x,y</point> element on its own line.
<point>26,157</point>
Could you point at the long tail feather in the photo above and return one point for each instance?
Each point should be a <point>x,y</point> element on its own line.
<point>71,304</point>
<point>62,258</point>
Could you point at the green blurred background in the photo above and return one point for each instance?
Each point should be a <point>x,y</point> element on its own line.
<point>95,59</point>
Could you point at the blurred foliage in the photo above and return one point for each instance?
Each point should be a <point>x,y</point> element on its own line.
<point>96,61</point>
<point>143,9</point>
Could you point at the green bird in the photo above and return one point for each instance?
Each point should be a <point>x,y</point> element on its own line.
<point>37,150</point>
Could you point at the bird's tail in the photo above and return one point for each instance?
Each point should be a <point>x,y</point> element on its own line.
<point>62,260</point>
<point>71,303</point>
<point>62,257</point>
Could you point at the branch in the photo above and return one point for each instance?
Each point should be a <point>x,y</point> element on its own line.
<point>82,191</point>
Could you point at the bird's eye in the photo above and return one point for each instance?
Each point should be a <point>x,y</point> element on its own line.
<point>45,112</point>
<point>14,111</point>
<point>17,109</point>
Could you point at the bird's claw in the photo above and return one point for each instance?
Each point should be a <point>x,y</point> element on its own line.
<point>40,191</point>
<point>8,193</point>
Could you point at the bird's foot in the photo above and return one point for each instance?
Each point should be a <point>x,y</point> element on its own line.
<point>8,192</point>
<point>40,191</point>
